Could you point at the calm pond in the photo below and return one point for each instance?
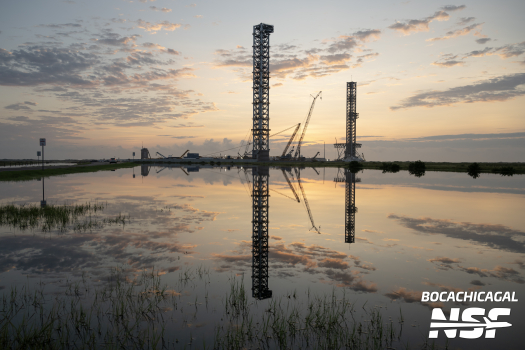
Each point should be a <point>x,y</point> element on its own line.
<point>279,242</point>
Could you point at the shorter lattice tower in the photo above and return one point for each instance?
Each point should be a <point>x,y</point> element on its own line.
<point>351,121</point>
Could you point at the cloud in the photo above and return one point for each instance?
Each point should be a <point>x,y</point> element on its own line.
<point>491,235</point>
<point>499,272</point>
<point>458,32</point>
<point>465,20</point>
<point>421,25</point>
<point>452,8</point>
<point>448,64</point>
<point>483,40</point>
<point>21,106</point>
<point>155,8</point>
<point>155,27</point>
<point>497,89</point>
<point>366,35</point>
<point>339,58</point>
<point>507,51</point>
<point>445,260</point>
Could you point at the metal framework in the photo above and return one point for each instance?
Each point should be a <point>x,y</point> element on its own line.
<point>260,209</point>
<point>351,121</point>
<point>350,208</point>
<point>298,149</point>
<point>349,179</point>
<point>261,91</point>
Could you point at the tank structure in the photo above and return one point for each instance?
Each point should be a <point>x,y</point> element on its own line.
<point>144,153</point>
<point>261,91</point>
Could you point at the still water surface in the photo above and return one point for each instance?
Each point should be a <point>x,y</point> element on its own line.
<point>440,232</point>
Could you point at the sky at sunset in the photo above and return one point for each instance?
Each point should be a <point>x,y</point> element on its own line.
<point>437,81</point>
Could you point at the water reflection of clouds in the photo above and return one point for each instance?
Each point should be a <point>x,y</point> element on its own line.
<point>496,236</point>
<point>290,260</point>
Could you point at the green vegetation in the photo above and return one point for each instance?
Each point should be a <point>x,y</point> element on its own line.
<point>390,167</point>
<point>417,168</point>
<point>28,175</point>
<point>473,170</point>
<point>504,171</point>
<point>59,217</point>
<point>518,168</point>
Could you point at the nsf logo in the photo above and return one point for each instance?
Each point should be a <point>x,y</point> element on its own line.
<point>469,327</point>
<point>475,328</point>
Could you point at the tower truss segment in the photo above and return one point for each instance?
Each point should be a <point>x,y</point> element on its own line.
<point>261,91</point>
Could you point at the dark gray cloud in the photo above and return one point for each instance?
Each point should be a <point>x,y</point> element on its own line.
<point>495,236</point>
<point>41,65</point>
<point>20,106</point>
<point>466,20</point>
<point>492,90</point>
<point>483,40</point>
<point>452,8</point>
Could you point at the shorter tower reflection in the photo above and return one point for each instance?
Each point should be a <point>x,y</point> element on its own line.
<point>260,221</point>
<point>349,178</point>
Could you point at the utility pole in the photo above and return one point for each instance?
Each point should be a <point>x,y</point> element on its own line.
<point>42,143</point>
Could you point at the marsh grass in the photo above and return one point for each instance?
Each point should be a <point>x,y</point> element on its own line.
<point>143,313</point>
<point>79,217</point>
<point>322,322</point>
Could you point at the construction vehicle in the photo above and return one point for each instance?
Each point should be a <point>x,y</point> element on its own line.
<point>298,150</point>
<point>313,158</point>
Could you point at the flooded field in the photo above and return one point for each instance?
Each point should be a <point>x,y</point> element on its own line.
<point>231,257</point>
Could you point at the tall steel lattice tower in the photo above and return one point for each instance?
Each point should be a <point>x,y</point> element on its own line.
<point>351,121</point>
<point>261,91</point>
<point>260,209</point>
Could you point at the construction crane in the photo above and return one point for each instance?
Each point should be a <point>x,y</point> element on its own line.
<point>291,140</point>
<point>163,156</point>
<point>298,150</point>
<point>183,154</point>
<point>247,146</point>
<point>313,158</point>
<point>290,184</point>
<point>298,175</point>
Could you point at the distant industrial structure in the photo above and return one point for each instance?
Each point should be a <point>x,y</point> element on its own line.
<point>259,135</point>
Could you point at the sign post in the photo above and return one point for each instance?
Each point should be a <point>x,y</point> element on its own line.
<point>38,154</point>
<point>133,155</point>
<point>42,143</point>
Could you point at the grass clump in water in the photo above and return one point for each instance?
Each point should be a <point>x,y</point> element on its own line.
<point>60,217</point>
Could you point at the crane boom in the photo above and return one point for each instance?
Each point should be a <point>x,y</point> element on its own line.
<point>163,156</point>
<point>306,201</point>
<point>291,140</point>
<point>183,154</point>
<point>290,184</point>
<point>298,150</point>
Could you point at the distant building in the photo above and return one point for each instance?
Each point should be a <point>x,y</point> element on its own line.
<point>144,153</point>
<point>192,155</point>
